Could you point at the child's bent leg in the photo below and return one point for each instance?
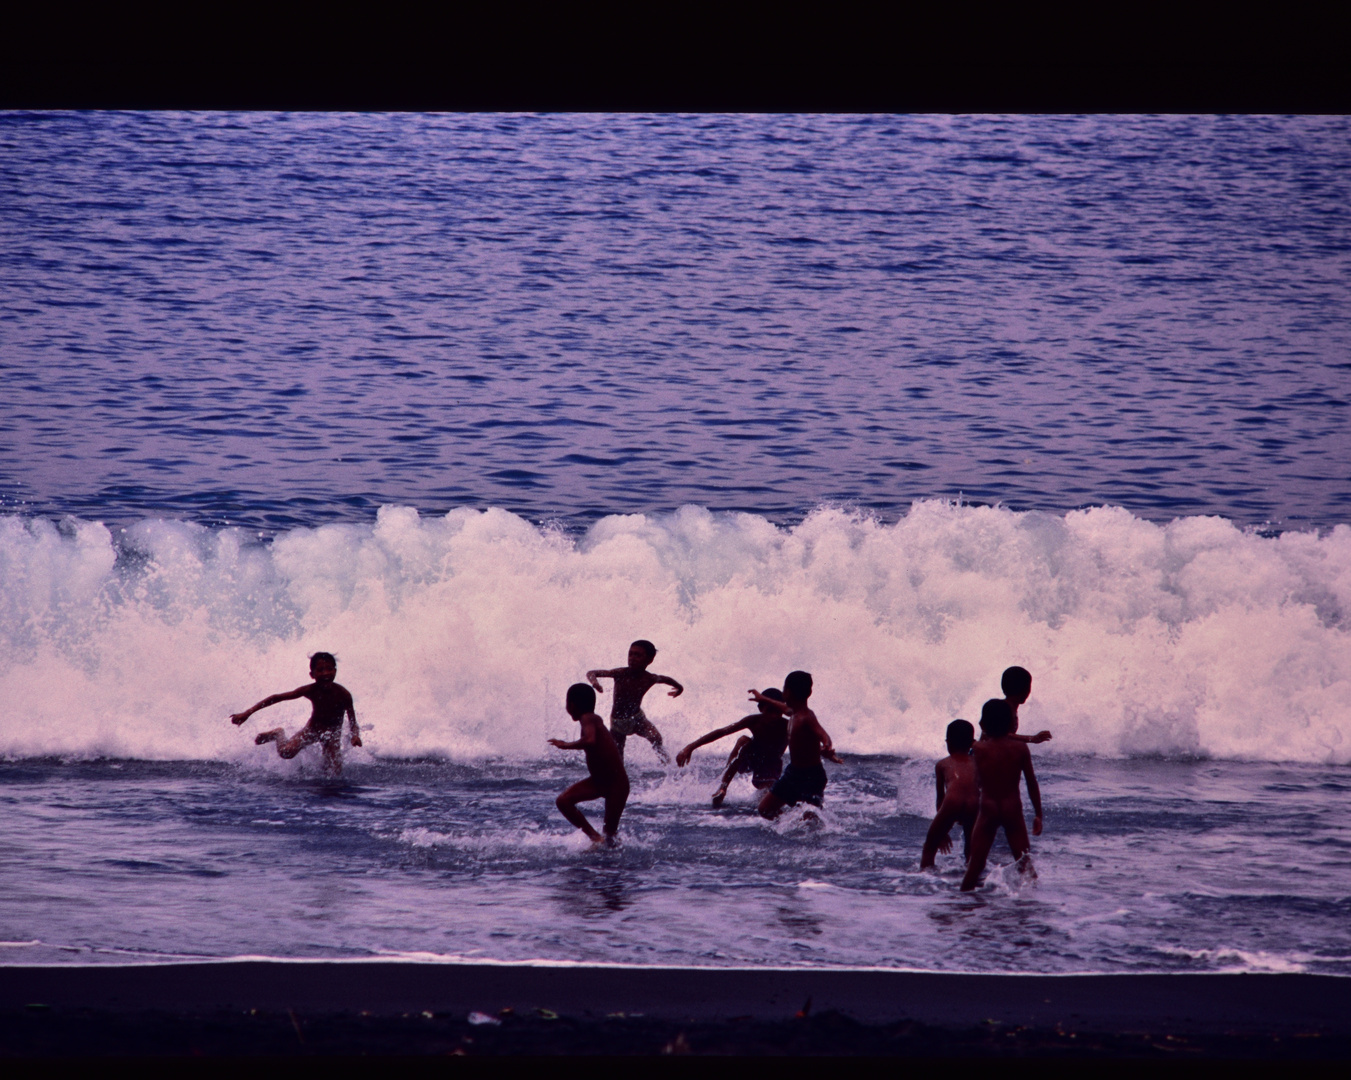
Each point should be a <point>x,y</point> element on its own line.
<point>333,756</point>
<point>1015,831</point>
<point>275,735</point>
<point>771,806</point>
<point>982,839</point>
<point>733,767</point>
<point>734,759</point>
<point>614,807</point>
<point>938,832</point>
<point>582,791</point>
<point>648,731</point>
<point>289,748</point>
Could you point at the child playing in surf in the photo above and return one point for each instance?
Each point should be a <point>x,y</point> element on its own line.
<point>805,778</point>
<point>607,781</point>
<point>958,794</point>
<point>631,683</point>
<point>1000,762</point>
<point>1016,682</point>
<point>328,700</point>
<point>760,753</point>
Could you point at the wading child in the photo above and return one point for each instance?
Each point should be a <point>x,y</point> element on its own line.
<point>760,753</point>
<point>631,683</point>
<point>607,781</point>
<point>958,794</point>
<point>805,778</point>
<point>1016,682</point>
<point>328,700</point>
<point>1000,762</point>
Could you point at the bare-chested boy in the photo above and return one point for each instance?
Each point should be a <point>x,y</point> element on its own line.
<point>1000,762</point>
<point>1016,682</point>
<point>760,753</point>
<point>328,700</point>
<point>631,683</point>
<point>607,781</point>
<point>958,794</point>
<point>805,778</point>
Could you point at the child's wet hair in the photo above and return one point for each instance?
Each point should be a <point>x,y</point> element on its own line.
<point>798,684</point>
<point>996,718</point>
<point>960,736</point>
<point>647,647</point>
<point>323,658</point>
<point>581,698</point>
<point>1016,681</point>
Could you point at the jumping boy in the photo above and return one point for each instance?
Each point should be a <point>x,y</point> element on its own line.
<point>329,702</point>
<point>805,778</point>
<point>958,794</point>
<point>760,753</point>
<point>607,781</point>
<point>1016,682</point>
<point>1000,762</point>
<point>631,683</point>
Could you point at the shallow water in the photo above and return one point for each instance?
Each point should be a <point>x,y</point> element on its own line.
<point>1144,866</point>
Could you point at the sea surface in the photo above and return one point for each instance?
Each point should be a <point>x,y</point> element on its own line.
<point>473,401</point>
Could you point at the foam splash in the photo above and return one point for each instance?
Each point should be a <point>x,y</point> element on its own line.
<point>459,634</point>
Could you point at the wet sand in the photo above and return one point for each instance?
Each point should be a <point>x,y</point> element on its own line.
<point>400,1008</point>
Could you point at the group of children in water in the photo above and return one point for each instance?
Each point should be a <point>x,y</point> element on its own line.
<point>977,783</point>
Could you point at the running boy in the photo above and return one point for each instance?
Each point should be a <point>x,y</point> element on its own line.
<point>958,794</point>
<point>631,683</point>
<point>607,781</point>
<point>329,701</point>
<point>805,778</point>
<point>1000,762</point>
<point>1016,682</point>
<point>760,753</point>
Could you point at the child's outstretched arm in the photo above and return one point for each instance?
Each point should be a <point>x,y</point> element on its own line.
<point>273,699</point>
<point>940,782</point>
<point>1039,737</point>
<point>827,747</point>
<point>669,682</point>
<point>1033,793</point>
<point>601,673</point>
<point>352,720</point>
<point>587,737</point>
<point>683,758</point>
<point>760,699</point>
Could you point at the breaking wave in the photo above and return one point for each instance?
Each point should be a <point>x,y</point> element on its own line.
<point>459,634</point>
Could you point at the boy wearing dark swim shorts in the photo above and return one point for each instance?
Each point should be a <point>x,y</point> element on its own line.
<point>760,753</point>
<point>808,742</point>
<point>631,683</point>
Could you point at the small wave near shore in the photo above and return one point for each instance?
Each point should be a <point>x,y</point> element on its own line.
<point>458,634</point>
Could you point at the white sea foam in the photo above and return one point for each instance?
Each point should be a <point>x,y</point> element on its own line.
<point>459,634</point>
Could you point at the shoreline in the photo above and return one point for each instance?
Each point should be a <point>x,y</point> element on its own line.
<point>269,1007</point>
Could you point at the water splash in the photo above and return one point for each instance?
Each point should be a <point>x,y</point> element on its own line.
<point>459,634</point>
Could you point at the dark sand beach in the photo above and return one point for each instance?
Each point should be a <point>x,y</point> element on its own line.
<point>409,1009</point>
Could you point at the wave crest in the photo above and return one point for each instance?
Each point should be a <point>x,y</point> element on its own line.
<point>459,634</point>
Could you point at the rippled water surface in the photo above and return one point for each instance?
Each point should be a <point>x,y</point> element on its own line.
<point>1152,866</point>
<point>286,320</point>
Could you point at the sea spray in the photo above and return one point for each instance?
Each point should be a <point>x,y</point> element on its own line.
<point>459,634</point>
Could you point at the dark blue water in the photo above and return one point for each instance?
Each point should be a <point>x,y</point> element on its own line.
<point>1144,867</point>
<point>474,401</point>
<point>285,320</point>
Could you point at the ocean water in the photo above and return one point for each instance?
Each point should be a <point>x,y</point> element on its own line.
<point>473,401</point>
